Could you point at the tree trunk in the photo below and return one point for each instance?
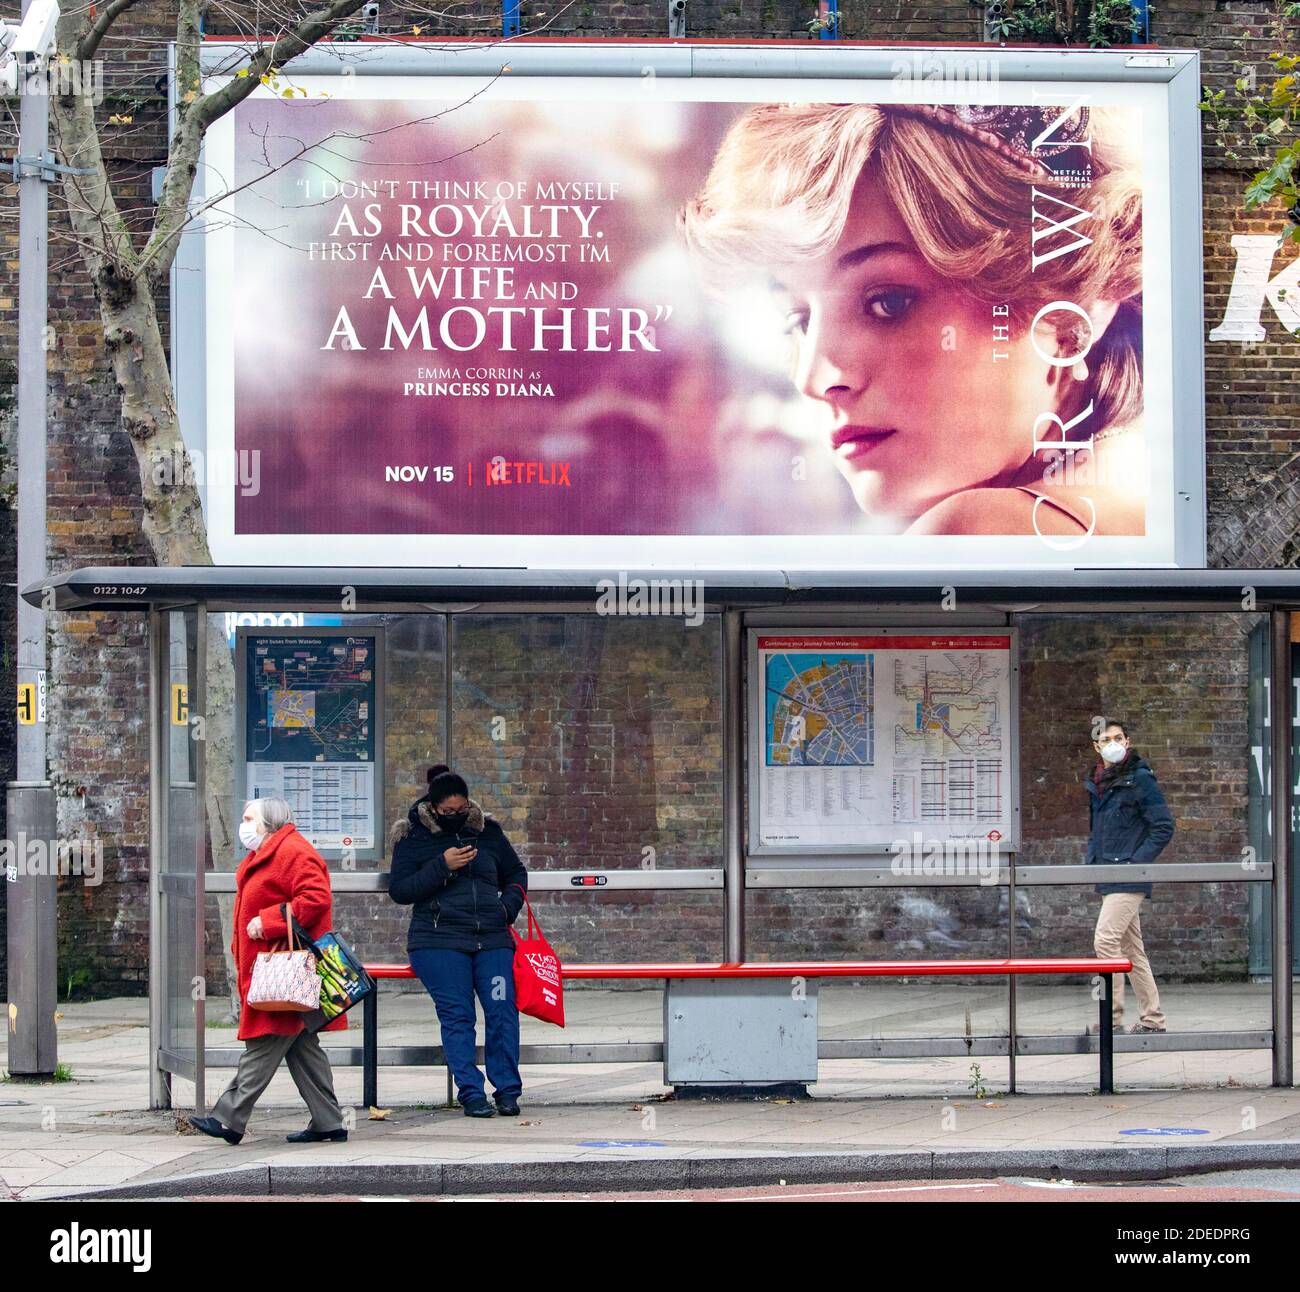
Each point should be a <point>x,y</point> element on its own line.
<point>173,524</point>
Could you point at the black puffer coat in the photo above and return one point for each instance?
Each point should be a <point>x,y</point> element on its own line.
<point>469,909</point>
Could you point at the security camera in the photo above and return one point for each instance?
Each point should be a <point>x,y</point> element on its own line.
<point>370,16</point>
<point>677,17</point>
<point>35,38</point>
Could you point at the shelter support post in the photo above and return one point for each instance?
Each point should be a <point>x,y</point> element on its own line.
<point>1106,1036</point>
<point>160,1094</point>
<point>1280,719</point>
<point>370,1049</point>
<point>198,735</point>
<point>733,787</point>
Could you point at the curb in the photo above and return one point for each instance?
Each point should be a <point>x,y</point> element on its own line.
<point>591,1175</point>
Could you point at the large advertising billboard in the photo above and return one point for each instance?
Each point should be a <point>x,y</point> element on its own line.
<point>698,322</point>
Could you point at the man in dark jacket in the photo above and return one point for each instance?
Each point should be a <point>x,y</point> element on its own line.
<point>455,867</point>
<point>1129,823</point>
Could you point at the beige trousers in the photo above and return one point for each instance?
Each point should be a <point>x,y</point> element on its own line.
<point>1119,936</point>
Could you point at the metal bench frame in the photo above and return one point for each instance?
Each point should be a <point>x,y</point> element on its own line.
<point>1103,969</point>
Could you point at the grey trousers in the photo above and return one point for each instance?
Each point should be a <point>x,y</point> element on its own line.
<point>308,1066</point>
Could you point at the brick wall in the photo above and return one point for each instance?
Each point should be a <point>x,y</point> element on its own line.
<point>573,678</point>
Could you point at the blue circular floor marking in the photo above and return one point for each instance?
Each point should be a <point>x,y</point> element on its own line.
<point>621,1143</point>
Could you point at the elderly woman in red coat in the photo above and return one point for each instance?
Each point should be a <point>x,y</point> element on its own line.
<point>281,870</point>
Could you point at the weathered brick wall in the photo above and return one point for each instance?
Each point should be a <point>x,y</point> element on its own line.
<point>98,692</point>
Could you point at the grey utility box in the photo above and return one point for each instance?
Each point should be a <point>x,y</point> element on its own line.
<point>740,1031</point>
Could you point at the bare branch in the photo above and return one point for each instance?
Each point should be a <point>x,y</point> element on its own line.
<point>89,43</point>
<point>92,209</point>
<point>299,39</point>
<point>196,113</point>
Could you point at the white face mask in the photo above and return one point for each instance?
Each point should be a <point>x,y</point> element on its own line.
<point>250,834</point>
<point>1113,751</point>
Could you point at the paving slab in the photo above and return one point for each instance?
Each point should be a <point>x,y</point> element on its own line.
<point>616,1127</point>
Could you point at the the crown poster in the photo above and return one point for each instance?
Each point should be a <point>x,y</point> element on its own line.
<point>646,325</point>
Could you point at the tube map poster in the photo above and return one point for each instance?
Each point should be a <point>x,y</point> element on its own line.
<point>870,739</point>
<point>309,732</point>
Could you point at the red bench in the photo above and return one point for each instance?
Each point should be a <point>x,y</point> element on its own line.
<point>1105,969</point>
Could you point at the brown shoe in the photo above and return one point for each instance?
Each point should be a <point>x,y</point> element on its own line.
<point>1141,1029</point>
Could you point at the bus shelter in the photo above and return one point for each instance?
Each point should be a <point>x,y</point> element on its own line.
<point>444,659</point>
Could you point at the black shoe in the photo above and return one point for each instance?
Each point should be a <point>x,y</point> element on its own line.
<point>310,1136</point>
<point>508,1105</point>
<point>478,1108</point>
<point>211,1126</point>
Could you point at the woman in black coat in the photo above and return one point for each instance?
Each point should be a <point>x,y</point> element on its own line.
<point>465,884</point>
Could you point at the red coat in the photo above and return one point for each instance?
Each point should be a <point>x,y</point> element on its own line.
<point>286,868</point>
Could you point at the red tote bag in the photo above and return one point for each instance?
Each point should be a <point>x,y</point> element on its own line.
<point>539,988</point>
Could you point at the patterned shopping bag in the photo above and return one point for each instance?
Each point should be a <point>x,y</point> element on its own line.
<point>285,981</point>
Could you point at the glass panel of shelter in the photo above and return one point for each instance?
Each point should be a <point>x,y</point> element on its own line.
<point>181,820</point>
<point>567,732</point>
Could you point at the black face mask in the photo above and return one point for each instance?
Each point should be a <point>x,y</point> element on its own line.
<point>452,822</point>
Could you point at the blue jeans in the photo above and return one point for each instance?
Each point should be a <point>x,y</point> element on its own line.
<point>452,978</point>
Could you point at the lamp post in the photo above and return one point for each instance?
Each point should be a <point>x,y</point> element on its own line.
<point>32,854</point>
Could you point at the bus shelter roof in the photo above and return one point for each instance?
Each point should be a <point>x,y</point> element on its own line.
<point>459,588</point>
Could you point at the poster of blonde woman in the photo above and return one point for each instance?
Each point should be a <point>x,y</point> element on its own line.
<point>695,323</point>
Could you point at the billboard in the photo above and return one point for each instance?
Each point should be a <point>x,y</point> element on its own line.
<point>872,741</point>
<point>706,321</point>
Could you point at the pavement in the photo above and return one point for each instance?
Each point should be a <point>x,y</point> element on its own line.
<point>617,1127</point>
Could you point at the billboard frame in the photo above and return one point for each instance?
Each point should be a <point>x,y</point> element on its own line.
<point>1179,70</point>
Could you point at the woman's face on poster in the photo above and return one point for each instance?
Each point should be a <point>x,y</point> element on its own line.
<point>921,397</point>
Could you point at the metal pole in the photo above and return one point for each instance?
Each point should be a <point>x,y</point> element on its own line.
<point>31,816</point>
<point>370,1049</point>
<point>733,787</point>
<point>199,708</point>
<point>1011,978</point>
<point>1106,1035</point>
<point>160,1095</point>
<point>448,701</point>
<point>1280,719</point>
<point>1141,23</point>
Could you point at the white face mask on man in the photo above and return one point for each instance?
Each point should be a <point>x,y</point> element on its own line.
<point>250,834</point>
<point>1113,751</point>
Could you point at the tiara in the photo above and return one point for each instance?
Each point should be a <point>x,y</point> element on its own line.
<point>1008,129</point>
